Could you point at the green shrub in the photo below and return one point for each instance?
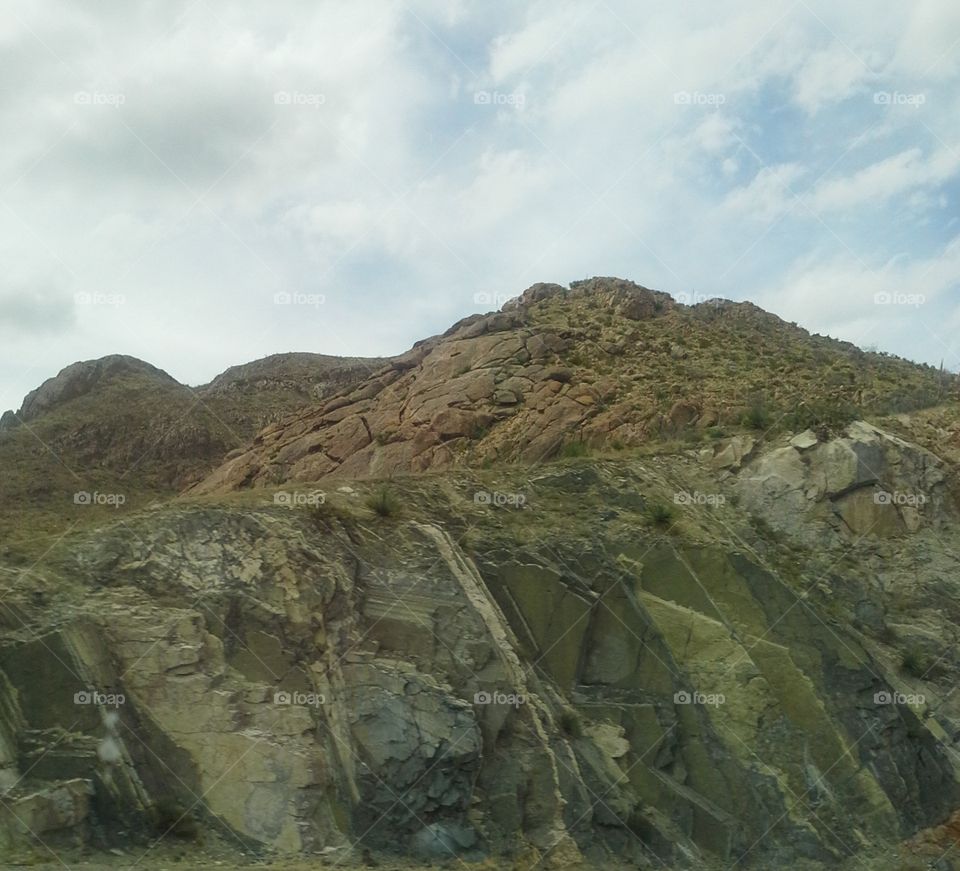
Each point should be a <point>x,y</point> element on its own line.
<point>758,414</point>
<point>659,514</point>
<point>575,449</point>
<point>826,414</point>
<point>383,502</point>
<point>920,664</point>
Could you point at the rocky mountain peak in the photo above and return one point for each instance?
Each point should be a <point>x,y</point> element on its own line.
<point>80,378</point>
<point>604,362</point>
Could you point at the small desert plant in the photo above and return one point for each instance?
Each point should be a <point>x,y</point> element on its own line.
<point>758,414</point>
<point>659,514</point>
<point>383,502</point>
<point>575,449</point>
<point>920,664</point>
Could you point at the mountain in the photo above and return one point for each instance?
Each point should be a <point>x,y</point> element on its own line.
<point>602,364</point>
<point>121,427</point>
<point>596,581</point>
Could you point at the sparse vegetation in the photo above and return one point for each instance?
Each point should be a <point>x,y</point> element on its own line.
<point>574,449</point>
<point>383,502</point>
<point>758,415</point>
<point>921,664</point>
<point>659,514</point>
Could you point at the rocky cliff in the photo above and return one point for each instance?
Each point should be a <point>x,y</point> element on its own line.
<point>728,643</point>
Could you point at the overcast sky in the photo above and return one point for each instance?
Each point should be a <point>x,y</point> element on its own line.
<point>200,184</point>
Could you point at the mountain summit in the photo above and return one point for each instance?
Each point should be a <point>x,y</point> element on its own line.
<point>604,363</point>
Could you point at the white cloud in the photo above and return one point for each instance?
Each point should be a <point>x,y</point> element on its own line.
<point>769,194</point>
<point>902,173</point>
<point>829,76</point>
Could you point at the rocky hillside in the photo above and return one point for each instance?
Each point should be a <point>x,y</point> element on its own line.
<point>605,363</point>
<point>120,427</point>
<point>661,587</point>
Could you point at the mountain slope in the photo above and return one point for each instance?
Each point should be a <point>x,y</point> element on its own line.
<point>120,427</point>
<point>606,363</point>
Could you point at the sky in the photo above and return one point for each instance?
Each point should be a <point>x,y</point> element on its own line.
<point>201,184</point>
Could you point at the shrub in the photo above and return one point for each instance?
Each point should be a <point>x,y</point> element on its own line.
<point>383,502</point>
<point>920,664</point>
<point>575,449</point>
<point>758,414</point>
<point>659,514</point>
<point>828,414</point>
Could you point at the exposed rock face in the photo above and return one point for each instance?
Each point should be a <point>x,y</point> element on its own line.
<point>604,363</point>
<point>565,680</point>
<point>866,482</point>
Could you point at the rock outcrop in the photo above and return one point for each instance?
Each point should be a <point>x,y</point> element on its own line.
<point>603,363</point>
<point>520,663</point>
